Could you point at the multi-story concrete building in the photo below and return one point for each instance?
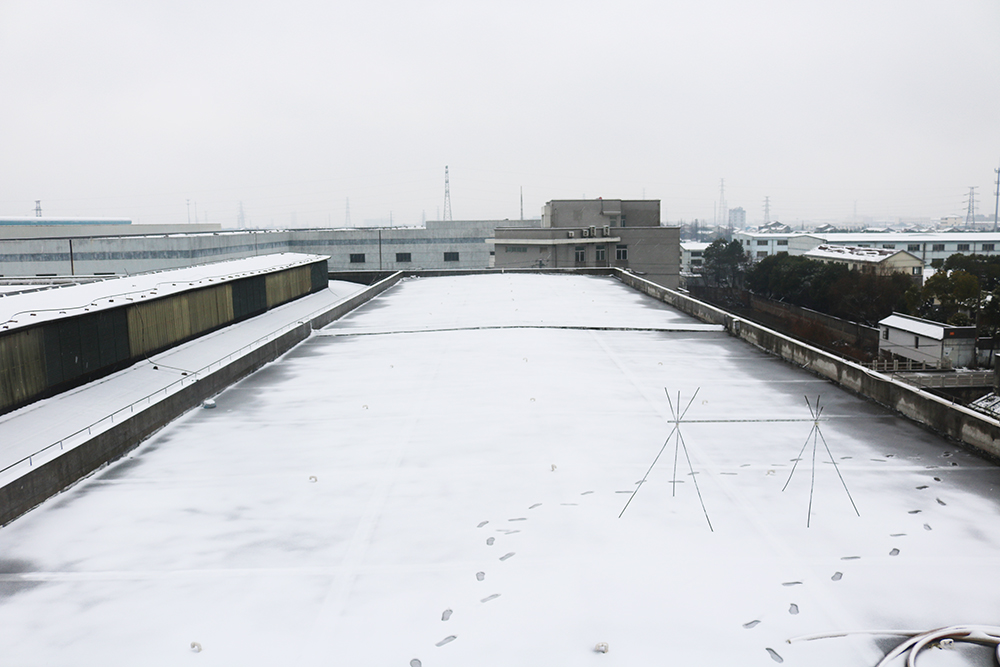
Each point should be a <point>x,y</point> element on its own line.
<point>737,217</point>
<point>692,253</point>
<point>596,233</point>
<point>931,247</point>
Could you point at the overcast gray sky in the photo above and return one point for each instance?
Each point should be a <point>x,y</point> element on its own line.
<point>125,108</point>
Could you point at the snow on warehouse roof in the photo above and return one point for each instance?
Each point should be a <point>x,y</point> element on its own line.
<point>25,308</point>
<point>500,470</point>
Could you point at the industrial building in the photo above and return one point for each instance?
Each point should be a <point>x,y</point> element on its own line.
<point>932,248</point>
<point>459,244</point>
<point>499,469</point>
<point>588,233</point>
<point>54,339</point>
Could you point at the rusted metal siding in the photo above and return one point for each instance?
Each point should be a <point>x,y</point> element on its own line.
<point>22,367</point>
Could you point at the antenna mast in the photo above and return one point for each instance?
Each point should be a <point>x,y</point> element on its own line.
<point>767,210</point>
<point>996,206</point>
<point>447,196</point>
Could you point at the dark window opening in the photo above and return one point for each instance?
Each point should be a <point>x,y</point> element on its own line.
<point>403,257</point>
<point>451,257</point>
<point>358,258</point>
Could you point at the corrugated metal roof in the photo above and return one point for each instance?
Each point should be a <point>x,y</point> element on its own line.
<point>23,309</point>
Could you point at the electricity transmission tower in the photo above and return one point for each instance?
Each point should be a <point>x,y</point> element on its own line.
<point>996,205</point>
<point>767,210</point>
<point>970,214</point>
<point>447,196</point>
<point>723,209</point>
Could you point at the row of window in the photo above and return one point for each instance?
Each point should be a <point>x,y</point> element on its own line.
<point>580,253</point>
<point>910,247</point>
<point>401,257</point>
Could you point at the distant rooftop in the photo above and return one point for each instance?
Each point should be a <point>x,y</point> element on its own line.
<point>851,253</point>
<point>36,221</point>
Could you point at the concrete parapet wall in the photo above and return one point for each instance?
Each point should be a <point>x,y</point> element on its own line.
<point>48,479</point>
<point>954,421</point>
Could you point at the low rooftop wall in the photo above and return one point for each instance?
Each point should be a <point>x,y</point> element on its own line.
<point>954,421</point>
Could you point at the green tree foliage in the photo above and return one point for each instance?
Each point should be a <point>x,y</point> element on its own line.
<point>725,263</point>
<point>965,291</point>
<point>834,289</point>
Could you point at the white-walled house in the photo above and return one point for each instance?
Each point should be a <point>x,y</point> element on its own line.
<point>927,341</point>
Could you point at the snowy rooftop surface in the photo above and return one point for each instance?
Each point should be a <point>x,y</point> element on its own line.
<point>410,488</point>
<point>850,253</point>
<point>25,308</point>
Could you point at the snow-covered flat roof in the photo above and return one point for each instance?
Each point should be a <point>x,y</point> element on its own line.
<point>916,325</point>
<point>847,253</point>
<point>494,470</point>
<point>25,308</point>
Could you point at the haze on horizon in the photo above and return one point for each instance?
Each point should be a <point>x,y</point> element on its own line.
<point>124,109</point>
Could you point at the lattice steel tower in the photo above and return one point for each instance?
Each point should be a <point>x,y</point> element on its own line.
<point>447,196</point>
<point>970,214</point>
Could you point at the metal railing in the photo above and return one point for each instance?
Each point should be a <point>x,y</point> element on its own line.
<point>950,380</point>
<point>898,365</point>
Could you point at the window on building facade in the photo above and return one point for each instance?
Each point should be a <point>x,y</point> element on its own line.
<point>917,270</point>
<point>761,242</point>
<point>916,342</point>
<point>963,247</point>
<point>937,247</point>
<point>623,221</point>
<point>913,247</point>
<point>621,252</point>
<point>987,247</point>
<point>782,241</point>
<point>600,254</point>
<point>580,253</point>
<point>696,253</point>
<point>451,257</point>
<point>889,246</point>
<point>517,248</point>
<point>695,262</point>
<point>357,258</point>
<point>614,221</point>
<point>885,333</point>
<point>402,257</point>
<point>761,254</point>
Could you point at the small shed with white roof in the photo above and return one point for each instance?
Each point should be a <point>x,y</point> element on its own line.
<point>927,341</point>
